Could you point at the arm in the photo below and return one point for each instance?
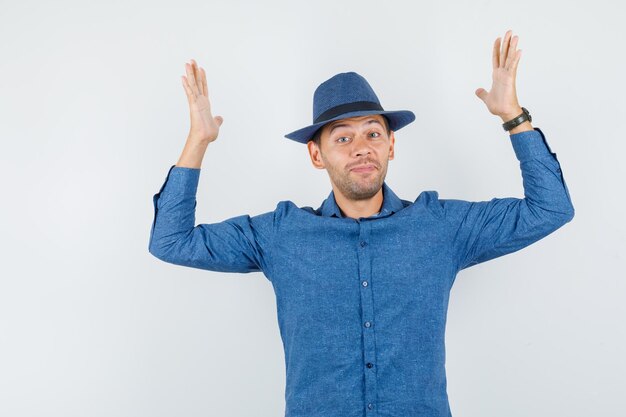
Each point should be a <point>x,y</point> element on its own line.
<point>233,245</point>
<point>237,244</point>
<point>485,230</point>
<point>488,229</point>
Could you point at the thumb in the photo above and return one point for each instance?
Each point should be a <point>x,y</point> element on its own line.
<point>481,93</point>
<point>219,120</point>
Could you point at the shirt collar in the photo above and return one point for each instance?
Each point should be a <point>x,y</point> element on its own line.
<point>391,204</point>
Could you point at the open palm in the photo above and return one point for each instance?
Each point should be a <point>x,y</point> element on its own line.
<point>204,127</point>
<point>501,100</point>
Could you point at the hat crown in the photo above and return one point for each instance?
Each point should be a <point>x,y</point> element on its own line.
<point>341,89</point>
<point>343,96</point>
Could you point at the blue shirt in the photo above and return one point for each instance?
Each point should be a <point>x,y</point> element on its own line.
<point>362,303</point>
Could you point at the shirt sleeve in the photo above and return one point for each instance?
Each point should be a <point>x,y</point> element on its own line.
<point>485,230</point>
<point>237,244</point>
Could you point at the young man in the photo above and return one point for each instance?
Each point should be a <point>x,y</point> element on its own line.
<point>362,283</point>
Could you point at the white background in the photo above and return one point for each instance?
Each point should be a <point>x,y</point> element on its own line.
<point>93,114</point>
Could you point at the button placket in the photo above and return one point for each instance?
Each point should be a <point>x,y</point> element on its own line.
<point>367,311</point>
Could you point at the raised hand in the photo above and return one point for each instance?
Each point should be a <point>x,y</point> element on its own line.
<point>204,127</point>
<point>501,100</point>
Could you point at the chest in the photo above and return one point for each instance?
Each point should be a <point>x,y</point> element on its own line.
<point>331,262</point>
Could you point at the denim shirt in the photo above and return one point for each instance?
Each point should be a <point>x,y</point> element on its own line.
<point>362,303</point>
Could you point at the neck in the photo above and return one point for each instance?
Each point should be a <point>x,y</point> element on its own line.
<point>359,208</point>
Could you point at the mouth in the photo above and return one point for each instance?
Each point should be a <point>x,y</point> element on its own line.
<point>364,168</point>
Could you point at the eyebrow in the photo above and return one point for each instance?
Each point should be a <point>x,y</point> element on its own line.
<point>344,124</point>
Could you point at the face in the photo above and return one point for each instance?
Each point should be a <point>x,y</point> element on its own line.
<point>355,153</point>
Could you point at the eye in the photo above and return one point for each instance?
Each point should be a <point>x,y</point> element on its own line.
<point>375,133</point>
<point>342,137</point>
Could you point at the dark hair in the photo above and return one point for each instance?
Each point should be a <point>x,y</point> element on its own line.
<point>317,136</point>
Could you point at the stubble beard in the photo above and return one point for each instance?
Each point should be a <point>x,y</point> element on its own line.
<point>356,186</point>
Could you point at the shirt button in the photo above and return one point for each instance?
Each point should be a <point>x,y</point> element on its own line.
<point>363,243</point>
<point>369,365</point>
<point>365,283</point>
<point>367,324</point>
<point>370,406</point>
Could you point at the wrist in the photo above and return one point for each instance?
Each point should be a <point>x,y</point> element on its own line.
<point>511,115</point>
<point>517,123</point>
<point>198,141</point>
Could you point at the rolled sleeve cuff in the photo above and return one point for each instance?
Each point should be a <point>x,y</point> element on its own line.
<point>531,144</point>
<point>181,181</point>
<point>180,184</point>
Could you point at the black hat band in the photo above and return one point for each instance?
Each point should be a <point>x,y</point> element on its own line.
<point>347,108</point>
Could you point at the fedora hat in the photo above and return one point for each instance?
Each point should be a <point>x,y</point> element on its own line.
<point>345,95</point>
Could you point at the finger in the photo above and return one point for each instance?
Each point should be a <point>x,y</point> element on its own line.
<point>191,79</point>
<point>481,93</point>
<point>190,96</point>
<point>196,74</point>
<point>518,55</point>
<point>512,54</point>
<point>191,82</point>
<point>205,90</point>
<point>219,120</point>
<point>505,47</point>
<point>200,81</point>
<point>496,54</point>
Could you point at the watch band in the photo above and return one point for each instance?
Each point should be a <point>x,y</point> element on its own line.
<point>518,120</point>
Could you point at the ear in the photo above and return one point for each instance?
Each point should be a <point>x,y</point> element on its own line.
<point>315,154</point>
<point>392,140</point>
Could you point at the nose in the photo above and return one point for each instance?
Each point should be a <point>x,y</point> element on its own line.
<point>361,146</point>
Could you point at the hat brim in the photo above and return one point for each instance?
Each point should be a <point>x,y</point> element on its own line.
<point>397,120</point>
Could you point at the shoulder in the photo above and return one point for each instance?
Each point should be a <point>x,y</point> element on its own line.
<point>448,208</point>
<point>287,208</point>
<point>430,201</point>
